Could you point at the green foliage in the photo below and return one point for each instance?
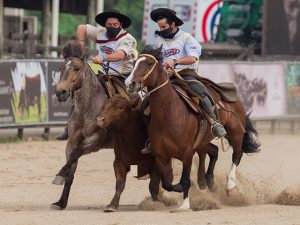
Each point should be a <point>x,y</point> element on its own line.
<point>134,9</point>
<point>68,22</point>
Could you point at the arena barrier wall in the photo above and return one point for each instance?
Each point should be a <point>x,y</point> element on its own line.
<point>27,90</point>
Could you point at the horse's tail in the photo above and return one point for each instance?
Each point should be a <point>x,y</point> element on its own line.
<point>250,143</point>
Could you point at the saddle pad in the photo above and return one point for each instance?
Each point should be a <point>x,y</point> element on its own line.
<point>190,102</point>
<point>95,67</point>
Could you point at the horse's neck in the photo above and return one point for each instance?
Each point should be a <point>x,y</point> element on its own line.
<point>162,100</point>
<point>91,93</point>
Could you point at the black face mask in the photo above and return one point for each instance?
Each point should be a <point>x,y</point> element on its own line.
<point>164,33</point>
<point>112,32</point>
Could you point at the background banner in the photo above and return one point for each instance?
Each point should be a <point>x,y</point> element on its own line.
<point>29,98</point>
<point>261,88</point>
<point>293,88</point>
<point>7,92</point>
<point>56,111</point>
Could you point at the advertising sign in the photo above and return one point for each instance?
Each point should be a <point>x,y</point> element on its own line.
<point>7,104</point>
<point>29,99</point>
<point>200,17</point>
<point>293,88</point>
<point>56,111</point>
<point>261,88</point>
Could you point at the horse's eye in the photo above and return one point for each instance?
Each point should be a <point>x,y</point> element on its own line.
<point>121,108</point>
<point>76,68</point>
<point>150,63</point>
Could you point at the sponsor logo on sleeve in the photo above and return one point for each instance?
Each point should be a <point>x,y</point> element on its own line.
<point>106,50</point>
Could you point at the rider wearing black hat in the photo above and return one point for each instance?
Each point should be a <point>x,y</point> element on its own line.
<point>115,45</point>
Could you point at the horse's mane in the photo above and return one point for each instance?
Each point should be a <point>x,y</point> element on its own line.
<point>74,49</point>
<point>152,50</point>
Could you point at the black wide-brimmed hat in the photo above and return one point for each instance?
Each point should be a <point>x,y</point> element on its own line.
<point>165,12</point>
<point>102,17</point>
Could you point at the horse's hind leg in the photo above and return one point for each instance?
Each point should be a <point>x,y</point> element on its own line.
<point>235,140</point>
<point>121,171</point>
<point>63,201</point>
<point>212,151</point>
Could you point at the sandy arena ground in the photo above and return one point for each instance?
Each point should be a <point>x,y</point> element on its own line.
<point>266,181</point>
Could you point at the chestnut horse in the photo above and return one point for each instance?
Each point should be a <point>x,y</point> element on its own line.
<point>174,128</point>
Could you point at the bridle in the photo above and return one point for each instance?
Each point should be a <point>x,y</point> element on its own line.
<point>78,73</point>
<point>144,77</point>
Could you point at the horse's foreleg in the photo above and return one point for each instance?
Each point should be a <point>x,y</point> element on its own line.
<point>120,172</point>
<point>65,170</point>
<point>185,181</point>
<point>166,172</point>
<point>154,183</point>
<point>63,201</point>
<point>213,152</point>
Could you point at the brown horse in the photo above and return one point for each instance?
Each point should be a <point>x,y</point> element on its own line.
<point>85,136</point>
<point>174,129</point>
<point>120,116</point>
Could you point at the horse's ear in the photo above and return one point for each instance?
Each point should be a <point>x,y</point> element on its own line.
<point>158,51</point>
<point>84,52</point>
<point>66,52</point>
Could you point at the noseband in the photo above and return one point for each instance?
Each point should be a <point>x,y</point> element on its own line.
<point>149,72</point>
<point>79,71</point>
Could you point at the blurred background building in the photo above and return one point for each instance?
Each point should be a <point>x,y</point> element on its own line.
<point>227,28</point>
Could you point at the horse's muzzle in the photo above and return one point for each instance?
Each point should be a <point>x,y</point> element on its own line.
<point>133,87</point>
<point>101,122</point>
<point>61,95</point>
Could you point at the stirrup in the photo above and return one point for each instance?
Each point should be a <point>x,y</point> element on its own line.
<point>147,148</point>
<point>217,130</point>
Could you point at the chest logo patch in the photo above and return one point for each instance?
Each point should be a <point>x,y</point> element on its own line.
<point>170,52</point>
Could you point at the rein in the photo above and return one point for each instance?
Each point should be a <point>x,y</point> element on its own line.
<point>149,72</point>
<point>80,70</point>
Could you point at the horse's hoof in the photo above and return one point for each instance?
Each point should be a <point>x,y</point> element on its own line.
<point>55,206</point>
<point>231,191</point>
<point>211,185</point>
<point>177,188</point>
<point>58,180</point>
<point>109,209</point>
<point>201,185</point>
<point>179,210</point>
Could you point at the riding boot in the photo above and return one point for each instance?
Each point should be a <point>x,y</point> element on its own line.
<point>64,135</point>
<point>216,127</point>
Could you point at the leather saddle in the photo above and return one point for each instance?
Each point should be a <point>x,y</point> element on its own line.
<point>217,92</point>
